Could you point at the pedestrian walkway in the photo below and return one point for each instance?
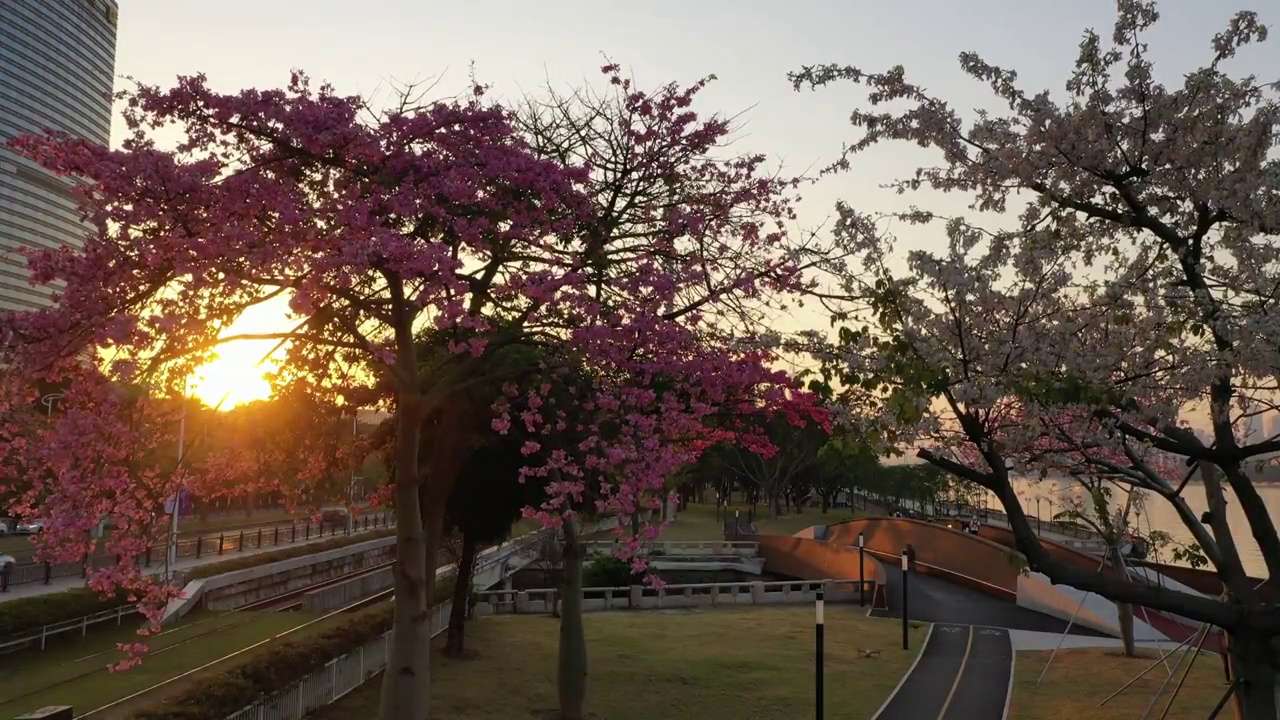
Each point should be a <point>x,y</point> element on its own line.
<point>964,672</point>
<point>69,583</point>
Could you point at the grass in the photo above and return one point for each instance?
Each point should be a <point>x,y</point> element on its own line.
<point>1079,679</point>
<point>192,645</point>
<point>715,664</point>
<point>698,522</point>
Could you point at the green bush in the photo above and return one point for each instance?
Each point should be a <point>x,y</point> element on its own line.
<point>608,571</point>
<point>287,553</point>
<point>28,614</point>
<point>274,671</point>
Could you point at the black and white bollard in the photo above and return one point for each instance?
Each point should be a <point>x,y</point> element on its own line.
<point>862,578</point>
<point>817,650</point>
<point>906,579</point>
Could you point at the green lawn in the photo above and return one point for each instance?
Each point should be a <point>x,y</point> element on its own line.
<point>711,664</point>
<point>698,522</point>
<point>74,673</point>
<point>1079,679</point>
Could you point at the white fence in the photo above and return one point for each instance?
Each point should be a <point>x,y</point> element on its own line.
<point>80,624</point>
<point>687,548</point>
<point>339,677</point>
<point>643,597</point>
<point>348,672</point>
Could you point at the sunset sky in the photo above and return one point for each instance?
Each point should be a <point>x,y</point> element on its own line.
<point>749,44</point>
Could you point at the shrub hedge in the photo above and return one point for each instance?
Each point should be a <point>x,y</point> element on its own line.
<point>286,553</point>
<point>284,664</point>
<point>28,614</point>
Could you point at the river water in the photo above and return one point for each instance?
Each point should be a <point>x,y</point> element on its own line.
<point>1158,514</point>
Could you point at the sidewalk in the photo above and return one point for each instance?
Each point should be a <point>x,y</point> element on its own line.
<point>70,583</point>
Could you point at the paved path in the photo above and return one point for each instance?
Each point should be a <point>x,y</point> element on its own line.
<point>932,599</point>
<point>962,673</point>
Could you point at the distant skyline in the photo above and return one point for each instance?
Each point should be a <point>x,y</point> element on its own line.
<point>57,67</point>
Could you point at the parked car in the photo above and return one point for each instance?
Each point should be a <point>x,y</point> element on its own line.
<point>31,527</point>
<point>333,515</point>
<point>6,526</point>
<point>7,562</point>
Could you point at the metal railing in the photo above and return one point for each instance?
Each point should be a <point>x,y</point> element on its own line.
<point>685,547</point>
<point>640,597</point>
<point>213,544</point>
<point>80,624</point>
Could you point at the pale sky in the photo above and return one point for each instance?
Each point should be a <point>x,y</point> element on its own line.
<point>749,44</point>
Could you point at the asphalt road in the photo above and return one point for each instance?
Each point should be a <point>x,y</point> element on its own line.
<point>962,674</point>
<point>932,599</point>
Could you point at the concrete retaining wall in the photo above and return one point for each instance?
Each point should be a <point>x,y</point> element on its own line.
<point>276,580</point>
<point>240,587</point>
<point>492,566</point>
<point>345,593</point>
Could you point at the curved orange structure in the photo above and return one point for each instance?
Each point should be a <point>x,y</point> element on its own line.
<point>965,559</point>
<point>808,559</point>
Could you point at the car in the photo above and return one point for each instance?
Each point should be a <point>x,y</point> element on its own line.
<point>30,527</point>
<point>7,562</point>
<point>6,526</point>
<point>335,515</point>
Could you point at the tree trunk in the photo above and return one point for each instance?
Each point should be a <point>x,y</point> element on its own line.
<point>406,693</point>
<point>572,671</point>
<point>776,506</point>
<point>1125,611</point>
<point>1253,665</point>
<point>455,643</point>
<point>825,504</point>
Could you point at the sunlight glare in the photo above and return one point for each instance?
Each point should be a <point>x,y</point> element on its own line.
<point>237,373</point>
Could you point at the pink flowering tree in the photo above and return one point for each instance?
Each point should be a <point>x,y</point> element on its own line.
<point>457,216</point>
<point>1131,280</point>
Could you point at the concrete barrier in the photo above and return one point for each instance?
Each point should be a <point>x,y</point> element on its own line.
<point>492,566</point>
<point>241,587</point>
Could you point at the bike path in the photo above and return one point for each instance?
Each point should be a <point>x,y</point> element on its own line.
<point>962,673</point>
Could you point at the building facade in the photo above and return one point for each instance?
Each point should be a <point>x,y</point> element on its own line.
<point>57,67</point>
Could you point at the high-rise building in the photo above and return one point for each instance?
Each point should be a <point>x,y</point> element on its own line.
<point>57,66</point>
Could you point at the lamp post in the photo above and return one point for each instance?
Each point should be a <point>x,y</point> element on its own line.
<point>906,575</point>
<point>1039,522</point>
<point>351,486</point>
<point>171,557</point>
<point>862,579</point>
<point>49,401</point>
<point>817,637</point>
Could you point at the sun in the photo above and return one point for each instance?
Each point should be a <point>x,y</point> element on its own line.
<point>237,375</point>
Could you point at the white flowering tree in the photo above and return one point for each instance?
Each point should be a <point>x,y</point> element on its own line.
<point>1132,279</point>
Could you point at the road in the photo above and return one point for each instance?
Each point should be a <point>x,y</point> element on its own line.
<point>962,674</point>
<point>932,599</point>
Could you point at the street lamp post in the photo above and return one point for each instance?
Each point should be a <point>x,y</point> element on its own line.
<point>351,486</point>
<point>1039,522</point>
<point>49,401</point>
<point>172,555</point>
<point>906,622</point>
